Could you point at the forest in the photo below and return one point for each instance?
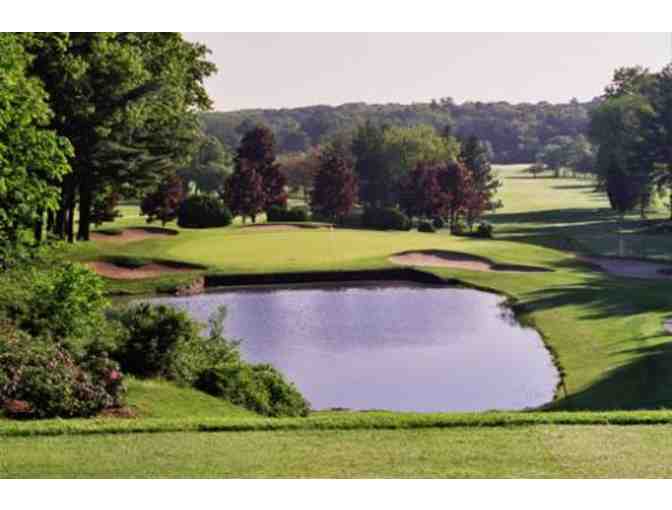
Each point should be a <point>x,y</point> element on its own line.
<point>515,133</point>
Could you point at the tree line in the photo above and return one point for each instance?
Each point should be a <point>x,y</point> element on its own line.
<point>632,129</point>
<point>87,117</point>
<point>513,133</point>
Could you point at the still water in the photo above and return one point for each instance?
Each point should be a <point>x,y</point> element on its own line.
<point>398,347</point>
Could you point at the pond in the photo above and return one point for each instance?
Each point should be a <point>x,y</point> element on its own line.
<point>400,347</point>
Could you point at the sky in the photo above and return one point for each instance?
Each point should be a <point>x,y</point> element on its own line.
<point>285,70</point>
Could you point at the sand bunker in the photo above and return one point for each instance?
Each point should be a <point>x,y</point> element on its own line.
<point>438,258</point>
<point>133,234</point>
<point>151,270</point>
<point>630,268</point>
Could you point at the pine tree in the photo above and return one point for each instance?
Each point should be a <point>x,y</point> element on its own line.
<point>474,155</point>
<point>335,186</point>
<point>257,149</point>
<point>243,191</point>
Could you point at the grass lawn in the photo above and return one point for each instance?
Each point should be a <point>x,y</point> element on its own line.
<point>529,452</point>
<point>606,333</point>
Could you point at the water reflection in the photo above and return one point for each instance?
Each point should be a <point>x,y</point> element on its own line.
<point>398,347</point>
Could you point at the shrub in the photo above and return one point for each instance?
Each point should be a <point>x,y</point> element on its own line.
<point>151,337</point>
<point>458,228</point>
<point>40,379</point>
<point>260,388</point>
<point>385,219</point>
<point>65,301</point>
<point>203,211</point>
<point>426,226</point>
<point>295,214</point>
<point>484,230</point>
<point>438,223</point>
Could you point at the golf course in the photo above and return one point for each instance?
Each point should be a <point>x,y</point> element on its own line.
<point>593,283</point>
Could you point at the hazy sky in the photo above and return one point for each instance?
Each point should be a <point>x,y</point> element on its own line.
<point>265,70</point>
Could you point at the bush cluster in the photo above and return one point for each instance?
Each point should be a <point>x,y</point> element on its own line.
<point>295,214</point>
<point>40,378</point>
<point>438,223</point>
<point>203,211</point>
<point>162,341</point>
<point>426,226</point>
<point>484,230</point>
<point>385,218</point>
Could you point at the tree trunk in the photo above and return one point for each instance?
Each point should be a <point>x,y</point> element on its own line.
<point>85,202</point>
<point>38,227</point>
<point>70,220</point>
<point>50,221</point>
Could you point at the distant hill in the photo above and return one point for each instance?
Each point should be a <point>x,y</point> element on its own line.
<point>516,132</point>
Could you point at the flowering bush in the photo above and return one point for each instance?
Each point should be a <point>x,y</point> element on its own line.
<point>41,379</point>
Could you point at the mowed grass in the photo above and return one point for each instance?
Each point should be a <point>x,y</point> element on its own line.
<point>529,452</point>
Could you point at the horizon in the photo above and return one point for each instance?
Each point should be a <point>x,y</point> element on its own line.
<point>310,69</point>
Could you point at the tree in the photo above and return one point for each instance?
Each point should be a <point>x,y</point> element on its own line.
<point>475,156</point>
<point>33,159</point>
<point>457,187</point>
<point>335,187</point>
<point>662,132</point>
<point>421,194</point>
<point>257,150</point>
<point>105,207</point>
<point>209,167</point>
<point>377,186</point>
<point>299,170</point>
<point>163,203</point>
<point>624,161</point>
<point>127,102</point>
<point>243,191</point>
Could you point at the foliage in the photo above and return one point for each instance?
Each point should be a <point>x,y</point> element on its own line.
<point>163,203</point>
<point>426,226</point>
<point>41,379</point>
<point>385,218</point>
<point>104,208</point>
<point>244,192</point>
<point>209,167</point>
<point>475,156</point>
<point>33,159</point>
<point>257,151</point>
<point>515,133</point>
<point>485,230</point>
<point>295,214</point>
<point>151,337</point>
<point>62,300</point>
<point>299,169</point>
<point>438,222</point>
<point>127,102</point>
<point>203,211</point>
<point>163,341</point>
<point>335,185</point>
<point>421,194</point>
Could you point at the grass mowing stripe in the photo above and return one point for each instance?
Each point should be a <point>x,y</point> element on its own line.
<point>346,421</point>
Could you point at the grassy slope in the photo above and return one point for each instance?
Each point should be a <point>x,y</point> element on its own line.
<point>607,333</point>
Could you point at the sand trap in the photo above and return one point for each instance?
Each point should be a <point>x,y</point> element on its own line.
<point>133,234</point>
<point>630,268</point>
<point>152,270</point>
<point>438,258</point>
